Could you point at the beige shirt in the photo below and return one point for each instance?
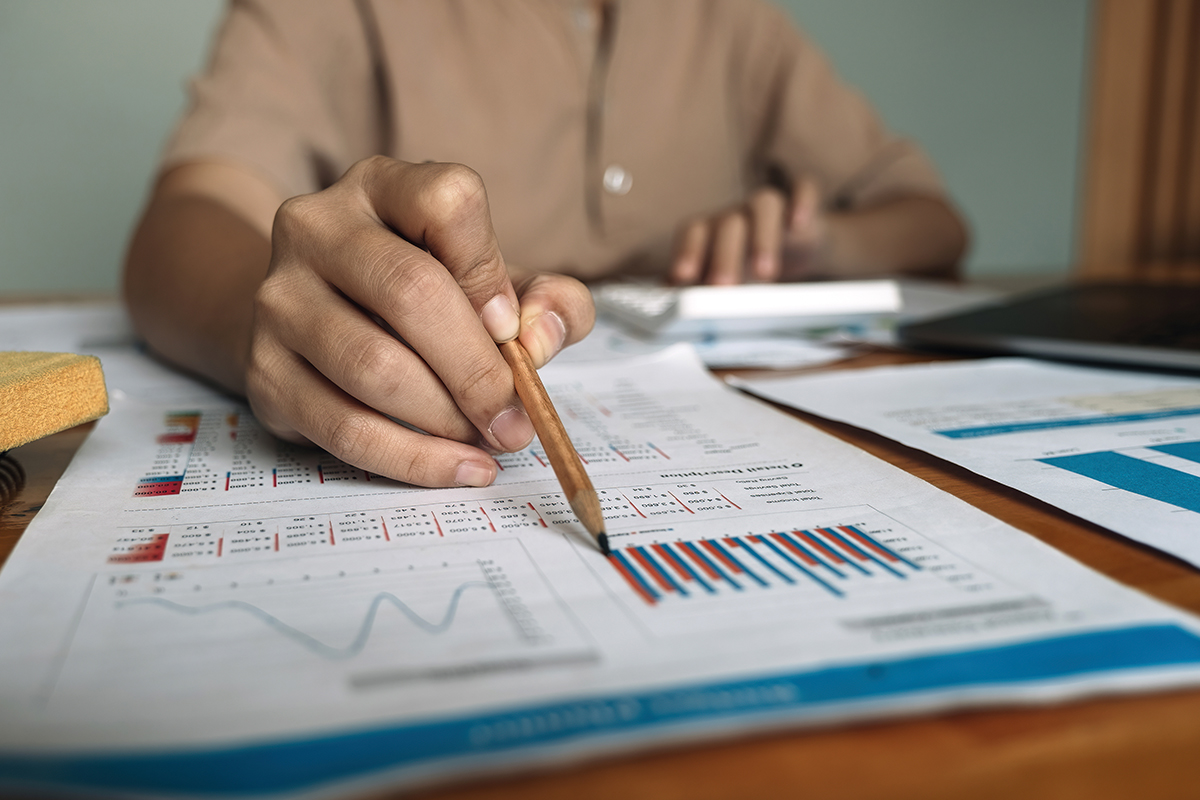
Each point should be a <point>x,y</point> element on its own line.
<point>596,134</point>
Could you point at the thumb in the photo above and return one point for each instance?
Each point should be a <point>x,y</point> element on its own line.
<point>556,310</point>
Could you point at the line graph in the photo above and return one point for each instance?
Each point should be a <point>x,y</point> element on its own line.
<point>347,622</point>
<point>317,646</point>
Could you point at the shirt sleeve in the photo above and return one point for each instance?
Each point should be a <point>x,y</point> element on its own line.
<point>804,121</point>
<point>288,92</point>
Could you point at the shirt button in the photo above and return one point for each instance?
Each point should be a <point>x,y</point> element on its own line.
<point>617,180</point>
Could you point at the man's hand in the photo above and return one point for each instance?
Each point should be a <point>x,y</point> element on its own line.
<point>384,299</point>
<point>770,237</point>
<point>775,236</point>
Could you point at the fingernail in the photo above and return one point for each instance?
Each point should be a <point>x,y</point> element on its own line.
<point>549,333</point>
<point>500,319</point>
<point>512,429</point>
<point>471,473</point>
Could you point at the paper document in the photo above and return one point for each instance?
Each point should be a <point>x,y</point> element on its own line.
<point>65,327</point>
<point>607,340</point>
<point>1121,449</point>
<point>720,348</point>
<point>200,610</point>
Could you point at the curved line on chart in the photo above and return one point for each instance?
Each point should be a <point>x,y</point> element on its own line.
<point>312,643</point>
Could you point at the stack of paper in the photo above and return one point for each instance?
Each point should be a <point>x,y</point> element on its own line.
<point>201,610</point>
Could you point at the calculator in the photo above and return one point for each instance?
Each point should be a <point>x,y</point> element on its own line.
<point>745,309</point>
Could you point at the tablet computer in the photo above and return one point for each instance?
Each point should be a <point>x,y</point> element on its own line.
<point>1155,326</point>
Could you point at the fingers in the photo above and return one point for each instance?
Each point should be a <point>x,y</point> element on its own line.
<point>805,240</point>
<point>443,208</point>
<point>304,400</point>
<point>691,253</point>
<point>363,360</point>
<point>384,300</point>
<point>418,297</point>
<point>727,258</point>
<point>767,208</point>
<point>738,244</point>
<point>805,208</point>
<point>556,310</point>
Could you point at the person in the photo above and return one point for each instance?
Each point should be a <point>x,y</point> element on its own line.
<point>364,197</point>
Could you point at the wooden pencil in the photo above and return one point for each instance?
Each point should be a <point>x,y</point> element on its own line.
<point>568,468</point>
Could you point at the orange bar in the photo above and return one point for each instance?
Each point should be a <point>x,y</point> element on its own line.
<point>829,535</point>
<point>796,551</point>
<point>637,587</point>
<point>820,547</point>
<point>663,583</point>
<point>720,556</point>
<point>865,542</point>
<point>666,556</point>
<point>699,562</point>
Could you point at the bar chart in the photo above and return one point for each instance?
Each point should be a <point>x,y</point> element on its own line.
<point>1118,448</point>
<point>1153,477</point>
<point>215,451</point>
<point>829,558</point>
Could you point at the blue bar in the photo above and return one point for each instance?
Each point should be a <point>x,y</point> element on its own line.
<point>1185,450</point>
<point>294,765</point>
<point>1051,424</point>
<point>686,567</point>
<point>745,570</point>
<point>750,549</point>
<point>799,566</point>
<point>808,551</point>
<point>636,575</point>
<point>825,547</point>
<point>882,546</point>
<point>691,548</point>
<point>662,573</point>
<point>164,479</point>
<point>867,553</point>
<point>1134,475</point>
<point>833,549</point>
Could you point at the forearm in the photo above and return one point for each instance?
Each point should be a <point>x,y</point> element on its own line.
<point>196,259</point>
<point>917,236</point>
<point>190,276</point>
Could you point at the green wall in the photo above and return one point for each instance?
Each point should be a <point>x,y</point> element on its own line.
<point>995,93</point>
<point>89,89</point>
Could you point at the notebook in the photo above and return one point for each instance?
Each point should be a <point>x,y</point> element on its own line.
<point>1154,326</point>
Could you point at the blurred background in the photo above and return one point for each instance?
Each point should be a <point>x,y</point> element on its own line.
<point>995,92</point>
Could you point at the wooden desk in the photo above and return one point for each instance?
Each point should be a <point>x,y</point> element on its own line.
<point>1145,746</point>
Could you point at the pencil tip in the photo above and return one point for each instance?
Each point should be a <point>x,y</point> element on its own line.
<point>586,505</point>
